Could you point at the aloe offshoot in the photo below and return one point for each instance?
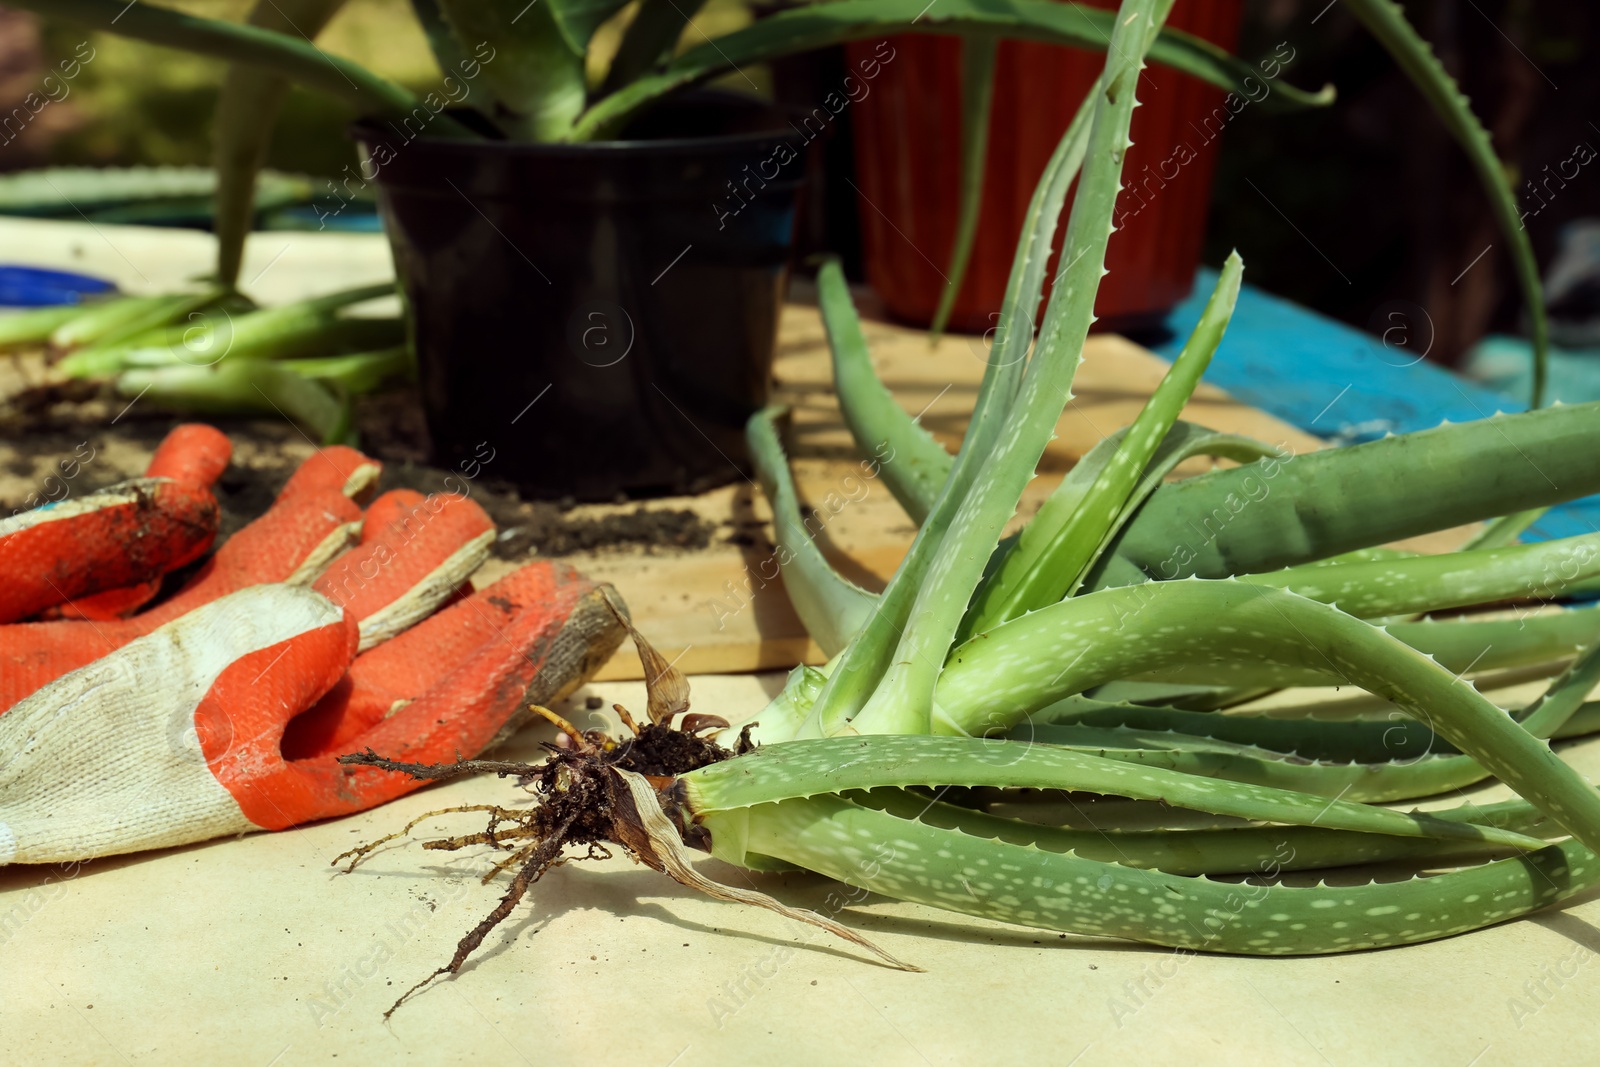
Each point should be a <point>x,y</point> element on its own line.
<point>919,762</point>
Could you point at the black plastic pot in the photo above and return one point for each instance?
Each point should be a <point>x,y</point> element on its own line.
<point>599,318</point>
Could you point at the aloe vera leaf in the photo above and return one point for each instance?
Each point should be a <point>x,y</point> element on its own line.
<point>1554,713</point>
<point>911,462</point>
<point>306,340</point>
<point>247,111</point>
<point>649,38</point>
<point>1386,21</point>
<point>1232,850</point>
<point>192,326</point>
<point>1328,740</point>
<point>579,19</point>
<point>1046,562</point>
<point>105,355</point>
<point>32,328</point>
<point>243,387</point>
<point>305,327</point>
<point>1279,512</point>
<point>977,100</point>
<point>111,318</point>
<point>863,663</point>
<point>996,679</point>
<point>535,64</point>
<point>1379,583</point>
<point>206,330</point>
<point>1565,696</point>
<point>1390,777</point>
<point>902,701</point>
<point>1374,553</point>
<point>1584,721</point>
<point>812,26</point>
<point>870,411</point>
<point>1184,441</point>
<point>1402,738</point>
<point>1376,783</point>
<point>297,59</point>
<point>1506,529</point>
<point>832,608</point>
<point>448,52</point>
<point>1460,646</point>
<point>1413,584</point>
<point>1501,643</point>
<point>836,764</point>
<point>355,372</point>
<point>908,860</point>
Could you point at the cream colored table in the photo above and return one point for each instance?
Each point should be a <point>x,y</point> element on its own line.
<point>254,951</point>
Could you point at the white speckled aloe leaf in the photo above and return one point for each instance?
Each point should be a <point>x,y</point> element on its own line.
<point>1559,712</point>
<point>1213,851</point>
<point>945,868</point>
<point>836,764</point>
<point>1236,762</point>
<point>1408,585</point>
<point>1460,646</point>
<point>1374,762</point>
<point>996,679</point>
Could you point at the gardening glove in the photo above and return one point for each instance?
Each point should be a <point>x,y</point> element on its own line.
<point>312,519</point>
<point>104,549</point>
<point>190,732</point>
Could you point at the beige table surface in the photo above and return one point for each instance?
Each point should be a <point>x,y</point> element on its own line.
<point>254,951</point>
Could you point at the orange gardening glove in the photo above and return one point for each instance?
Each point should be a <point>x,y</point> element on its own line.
<point>312,520</point>
<point>230,718</point>
<point>104,548</point>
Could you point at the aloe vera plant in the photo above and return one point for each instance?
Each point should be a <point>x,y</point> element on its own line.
<point>924,760</point>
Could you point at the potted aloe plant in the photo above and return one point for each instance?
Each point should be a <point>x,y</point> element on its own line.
<point>592,271</point>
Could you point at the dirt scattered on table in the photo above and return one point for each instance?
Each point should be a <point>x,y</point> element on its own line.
<point>560,528</point>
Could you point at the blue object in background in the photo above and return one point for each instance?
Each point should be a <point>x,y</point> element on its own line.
<point>1345,385</point>
<point>1506,363</point>
<point>35,287</point>
<point>350,218</point>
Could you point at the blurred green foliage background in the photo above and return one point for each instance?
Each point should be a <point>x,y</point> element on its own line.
<point>138,104</point>
<point>1345,210</point>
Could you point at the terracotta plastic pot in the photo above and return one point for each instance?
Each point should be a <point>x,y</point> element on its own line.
<point>599,318</point>
<point>908,151</point>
